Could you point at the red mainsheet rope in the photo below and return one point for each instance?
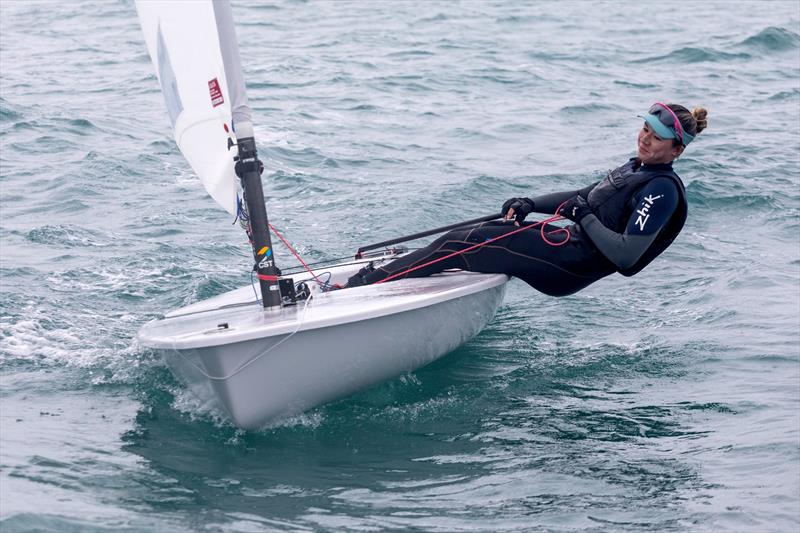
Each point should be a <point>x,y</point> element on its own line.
<point>289,246</point>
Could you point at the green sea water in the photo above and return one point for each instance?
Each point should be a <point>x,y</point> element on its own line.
<point>669,401</point>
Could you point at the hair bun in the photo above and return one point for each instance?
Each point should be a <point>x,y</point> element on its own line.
<point>699,114</point>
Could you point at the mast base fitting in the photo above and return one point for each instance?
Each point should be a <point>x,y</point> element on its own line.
<point>288,296</point>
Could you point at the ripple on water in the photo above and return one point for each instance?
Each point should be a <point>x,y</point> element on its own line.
<point>69,235</point>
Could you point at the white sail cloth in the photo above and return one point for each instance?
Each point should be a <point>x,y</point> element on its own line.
<point>193,46</point>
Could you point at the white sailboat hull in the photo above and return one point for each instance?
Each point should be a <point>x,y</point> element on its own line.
<point>260,365</point>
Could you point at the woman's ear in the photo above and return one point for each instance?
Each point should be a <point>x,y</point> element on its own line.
<point>677,151</point>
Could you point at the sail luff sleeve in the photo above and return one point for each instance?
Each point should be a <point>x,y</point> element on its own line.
<point>240,109</point>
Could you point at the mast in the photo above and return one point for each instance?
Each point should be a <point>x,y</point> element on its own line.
<point>248,165</point>
<point>248,170</point>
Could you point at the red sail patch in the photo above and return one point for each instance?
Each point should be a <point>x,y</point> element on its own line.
<point>216,93</point>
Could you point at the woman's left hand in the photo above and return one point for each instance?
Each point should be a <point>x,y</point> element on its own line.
<point>517,209</point>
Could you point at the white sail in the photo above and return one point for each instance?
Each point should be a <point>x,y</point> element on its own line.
<point>193,46</point>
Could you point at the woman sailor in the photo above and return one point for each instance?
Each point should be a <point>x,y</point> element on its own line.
<point>621,223</point>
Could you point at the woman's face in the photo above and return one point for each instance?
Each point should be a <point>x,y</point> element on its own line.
<point>653,149</point>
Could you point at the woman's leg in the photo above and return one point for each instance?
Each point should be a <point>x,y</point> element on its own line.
<point>553,270</point>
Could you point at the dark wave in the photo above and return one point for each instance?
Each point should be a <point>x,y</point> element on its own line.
<point>403,54</point>
<point>266,7</point>
<point>552,56</point>
<point>633,424</point>
<point>22,125</point>
<point>55,128</point>
<point>7,113</point>
<point>772,39</point>
<point>270,85</point>
<point>794,93</point>
<point>518,19</point>
<point>439,17</point>
<point>494,75</point>
<point>692,54</point>
<point>158,233</point>
<point>586,108</point>
<point>701,193</point>
<point>306,157</point>
<point>625,83</point>
<point>80,126</point>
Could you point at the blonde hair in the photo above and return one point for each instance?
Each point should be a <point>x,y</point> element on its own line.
<point>692,122</point>
<point>699,115</point>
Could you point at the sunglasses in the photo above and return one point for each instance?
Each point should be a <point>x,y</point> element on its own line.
<point>669,119</point>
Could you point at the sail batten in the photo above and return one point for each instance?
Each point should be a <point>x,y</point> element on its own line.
<point>189,51</point>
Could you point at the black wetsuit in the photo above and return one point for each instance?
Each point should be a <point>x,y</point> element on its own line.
<point>637,211</point>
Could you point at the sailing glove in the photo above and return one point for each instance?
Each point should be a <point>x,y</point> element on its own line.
<point>575,208</point>
<point>522,207</point>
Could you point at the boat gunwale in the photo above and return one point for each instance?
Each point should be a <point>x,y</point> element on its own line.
<point>210,338</point>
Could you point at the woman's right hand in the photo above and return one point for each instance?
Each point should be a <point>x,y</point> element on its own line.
<point>517,209</point>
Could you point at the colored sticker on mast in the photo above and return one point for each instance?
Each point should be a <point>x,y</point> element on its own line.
<point>216,93</point>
